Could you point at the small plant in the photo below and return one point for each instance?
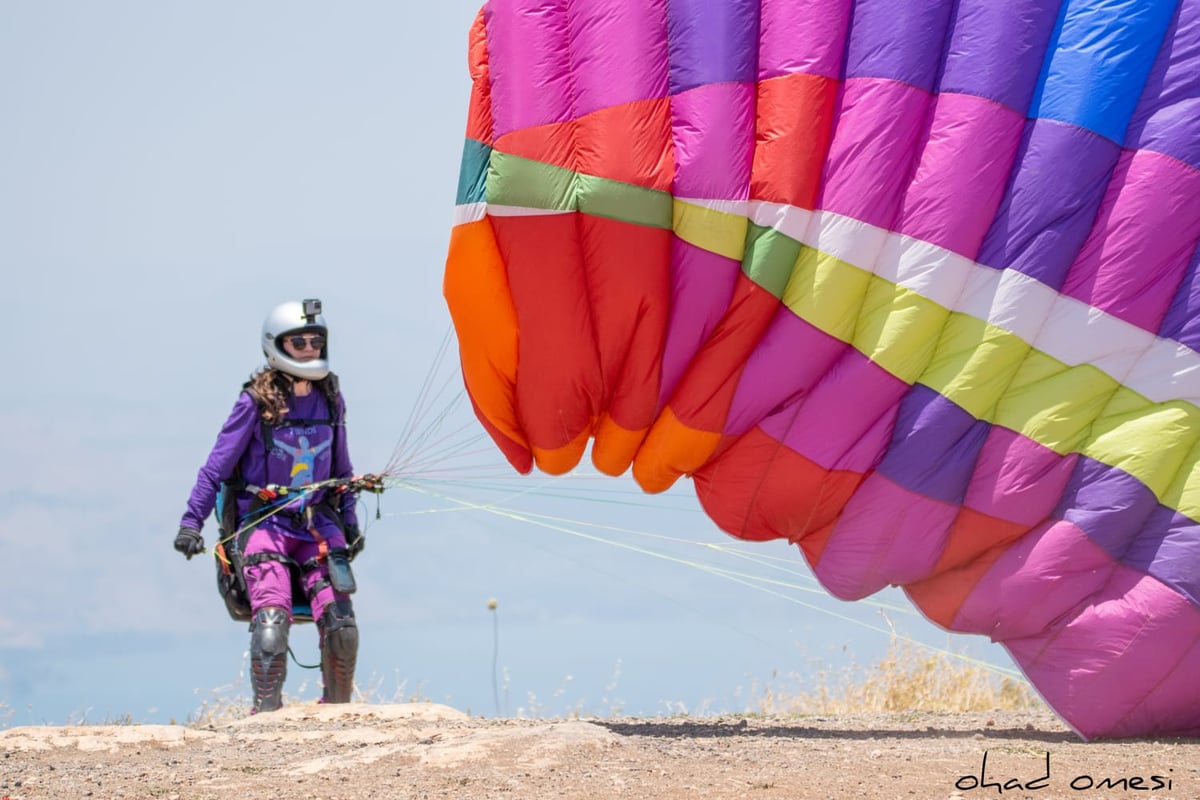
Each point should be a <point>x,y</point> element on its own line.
<point>492,605</point>
<point>612,704</point>
<point>371,690</point>
<point>224,704</point>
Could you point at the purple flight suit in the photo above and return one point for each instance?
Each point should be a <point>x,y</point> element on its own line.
<point>302,454</point>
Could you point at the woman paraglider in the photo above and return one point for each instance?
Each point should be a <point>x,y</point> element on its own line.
<point>282,468</point>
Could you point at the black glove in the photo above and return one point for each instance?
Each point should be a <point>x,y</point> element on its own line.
<point>189,542</point>
<point>355,541</point>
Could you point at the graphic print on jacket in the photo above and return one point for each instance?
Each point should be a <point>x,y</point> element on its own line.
<point>302,453</point>
<point>304,456</point>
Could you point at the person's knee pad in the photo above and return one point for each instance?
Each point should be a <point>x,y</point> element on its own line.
<point>269,632</point>
<point>339,650</point>
<point>339,631</point>
<point>268,656</point>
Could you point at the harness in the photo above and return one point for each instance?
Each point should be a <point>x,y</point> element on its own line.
<point>236,529</point>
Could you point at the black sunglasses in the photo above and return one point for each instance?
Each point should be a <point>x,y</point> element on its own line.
<point>300,342</point>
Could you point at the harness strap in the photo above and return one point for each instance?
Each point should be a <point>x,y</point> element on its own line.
<point>305,568</point>
<point>315,561</point>
<point>316,587</point>
<point>258,558</point>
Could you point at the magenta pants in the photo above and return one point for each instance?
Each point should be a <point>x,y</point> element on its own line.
<point>269,583</point>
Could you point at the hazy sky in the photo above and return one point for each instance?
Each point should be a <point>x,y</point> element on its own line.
<point>169,171</point>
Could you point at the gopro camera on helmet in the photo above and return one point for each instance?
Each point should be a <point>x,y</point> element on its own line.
<point>312,308</point>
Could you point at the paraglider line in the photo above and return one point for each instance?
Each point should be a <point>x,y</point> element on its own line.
<point>419,407</point>
<point>750,581</point>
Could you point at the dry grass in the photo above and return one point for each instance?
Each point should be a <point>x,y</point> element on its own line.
<point>909,678</point>
<point>233,701</point>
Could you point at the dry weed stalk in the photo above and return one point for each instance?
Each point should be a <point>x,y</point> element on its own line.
<point>909,678</point>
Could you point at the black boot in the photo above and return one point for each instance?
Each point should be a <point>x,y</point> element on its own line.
<point>268,657</point>
<point>339,650</point>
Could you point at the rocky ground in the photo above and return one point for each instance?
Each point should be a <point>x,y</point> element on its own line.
<point>424,750</point>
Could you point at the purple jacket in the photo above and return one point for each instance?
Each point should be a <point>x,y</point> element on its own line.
<point>302,454</point>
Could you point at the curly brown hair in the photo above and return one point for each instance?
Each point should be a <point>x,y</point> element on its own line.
<point>271,389</point>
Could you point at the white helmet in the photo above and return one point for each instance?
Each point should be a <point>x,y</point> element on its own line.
<point>290,318</point>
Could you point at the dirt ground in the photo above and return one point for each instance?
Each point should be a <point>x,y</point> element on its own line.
<point>423,750</point>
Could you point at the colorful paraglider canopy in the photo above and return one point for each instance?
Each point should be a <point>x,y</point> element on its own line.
<point>912,284</point>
